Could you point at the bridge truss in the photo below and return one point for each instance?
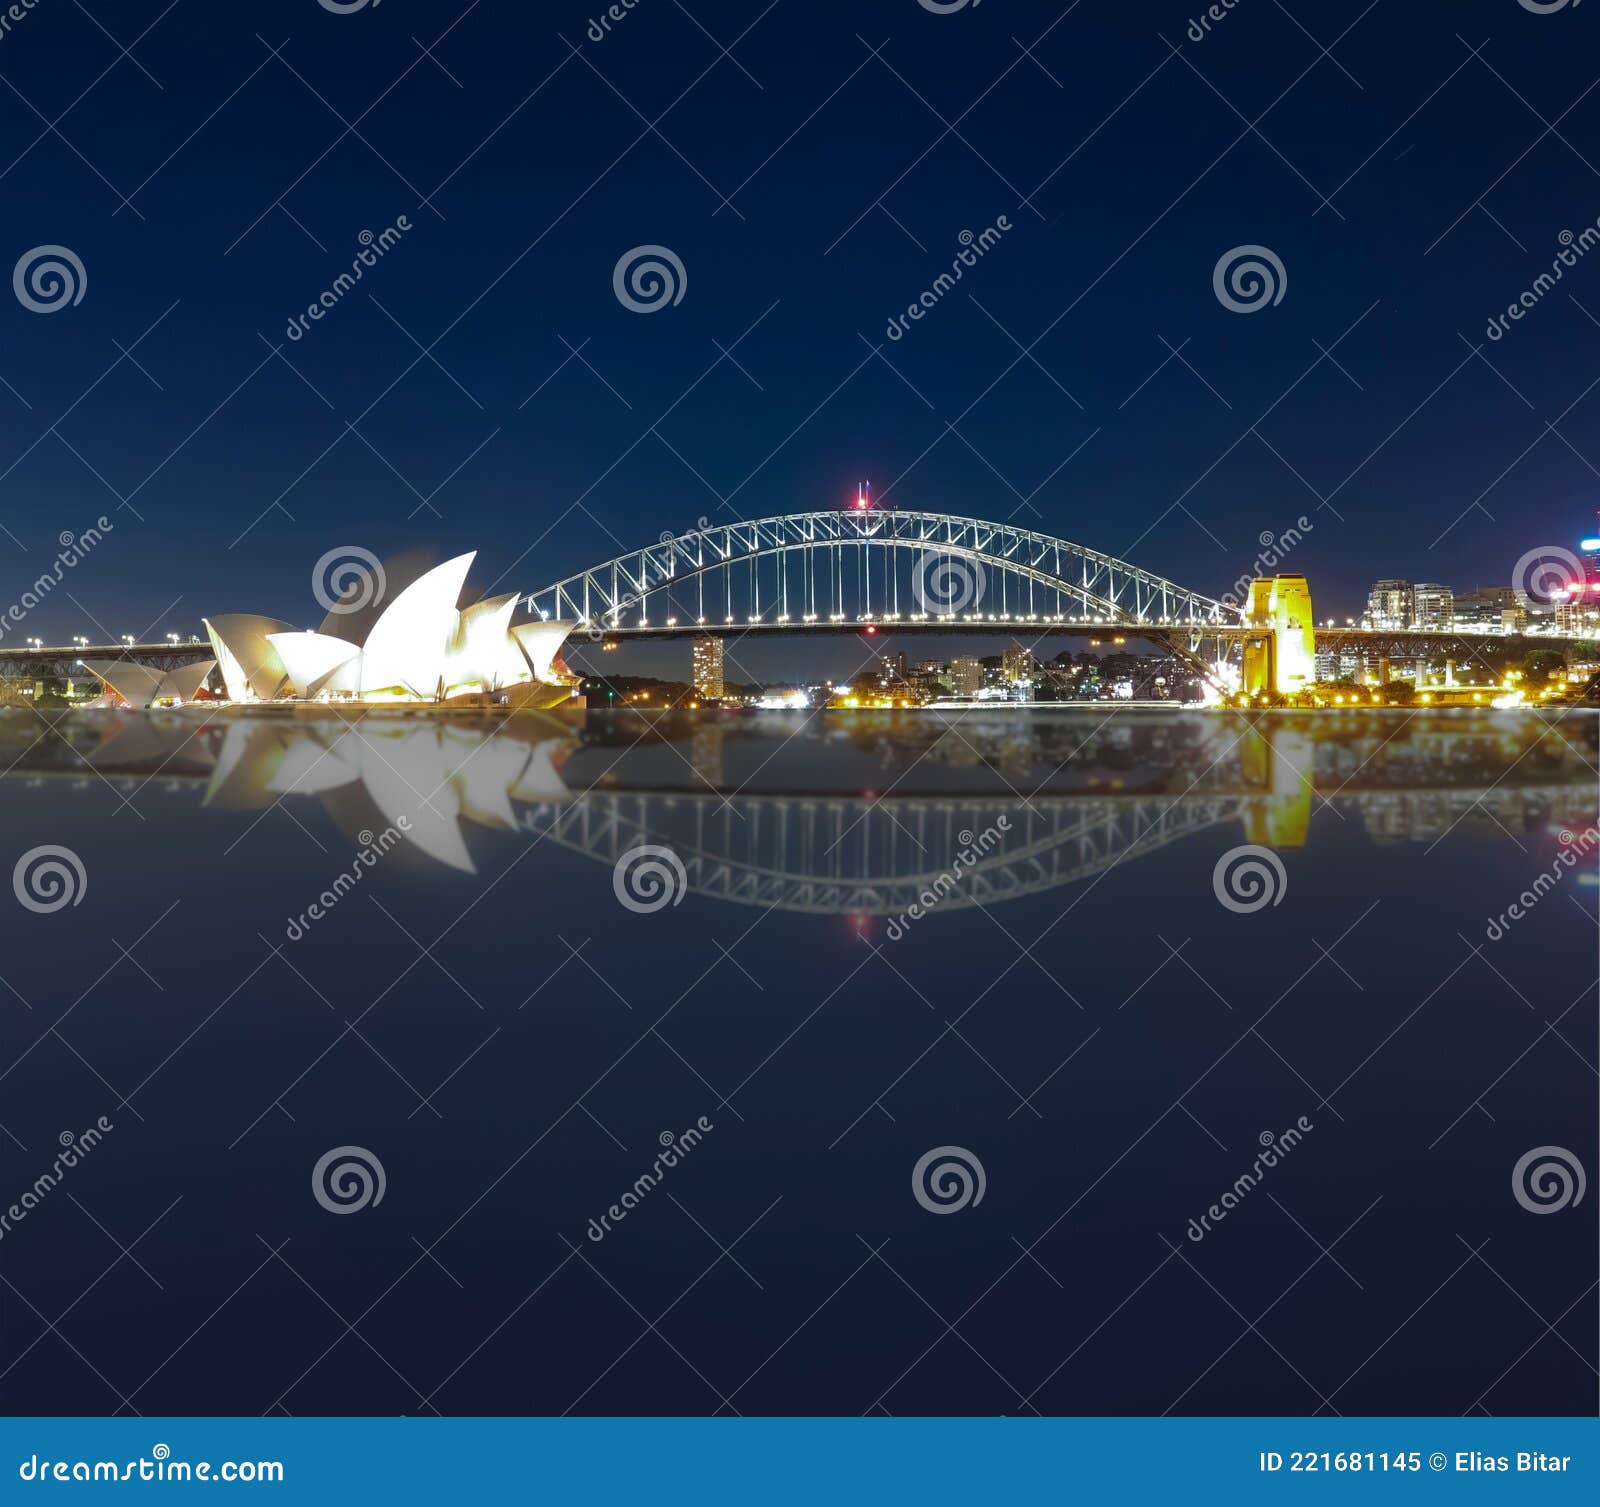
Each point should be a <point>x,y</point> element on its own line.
<point>830,569</point>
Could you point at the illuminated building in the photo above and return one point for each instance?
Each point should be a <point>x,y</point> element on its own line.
<point>1391,604</point>
<point>406,639</point>
<point>930,679</point>
<point>1577,612</point>
<point>250,665</point>
<point>1492,609</point>
<point>966,676</point>
<point>708,681</point>
<point>1280,659</point>
<point>1016,664</point>
<point>1432,606</point>
<point>140,686</point>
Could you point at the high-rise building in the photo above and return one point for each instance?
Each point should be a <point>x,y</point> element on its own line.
<point>1017,663</point>
<point>1575,615</point>
<point>708,682</point>
<point>1432,606</point>
<point>966,676</point>
<point>1391,604</point>
<point>1491,609</point>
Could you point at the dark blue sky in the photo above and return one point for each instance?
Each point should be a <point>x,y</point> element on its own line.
<point>811,189</point>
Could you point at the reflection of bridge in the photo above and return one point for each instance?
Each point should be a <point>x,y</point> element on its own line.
<point>835,855</point>
<point>784,811</point>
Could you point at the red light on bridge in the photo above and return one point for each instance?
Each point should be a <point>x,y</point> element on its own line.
<point>872,627</point>
<point>863,502</point>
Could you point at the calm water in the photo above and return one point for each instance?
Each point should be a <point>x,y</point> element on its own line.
<point>1078,1012</point>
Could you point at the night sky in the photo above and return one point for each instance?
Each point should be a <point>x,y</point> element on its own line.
<point>484,387</point>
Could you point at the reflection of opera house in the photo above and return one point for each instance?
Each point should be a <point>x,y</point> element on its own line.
<point>400,635</point>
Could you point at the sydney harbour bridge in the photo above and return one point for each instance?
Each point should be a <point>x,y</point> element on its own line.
<point>868,568</point>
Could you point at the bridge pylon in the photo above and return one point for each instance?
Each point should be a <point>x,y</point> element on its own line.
<point>1280,650</point>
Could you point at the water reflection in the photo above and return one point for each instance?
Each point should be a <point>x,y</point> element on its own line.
<point>847,814</point>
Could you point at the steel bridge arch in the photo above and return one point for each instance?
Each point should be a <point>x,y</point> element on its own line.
<point>1110,589</point>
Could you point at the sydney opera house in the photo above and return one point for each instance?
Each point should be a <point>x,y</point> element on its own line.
<point>398,634</point>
